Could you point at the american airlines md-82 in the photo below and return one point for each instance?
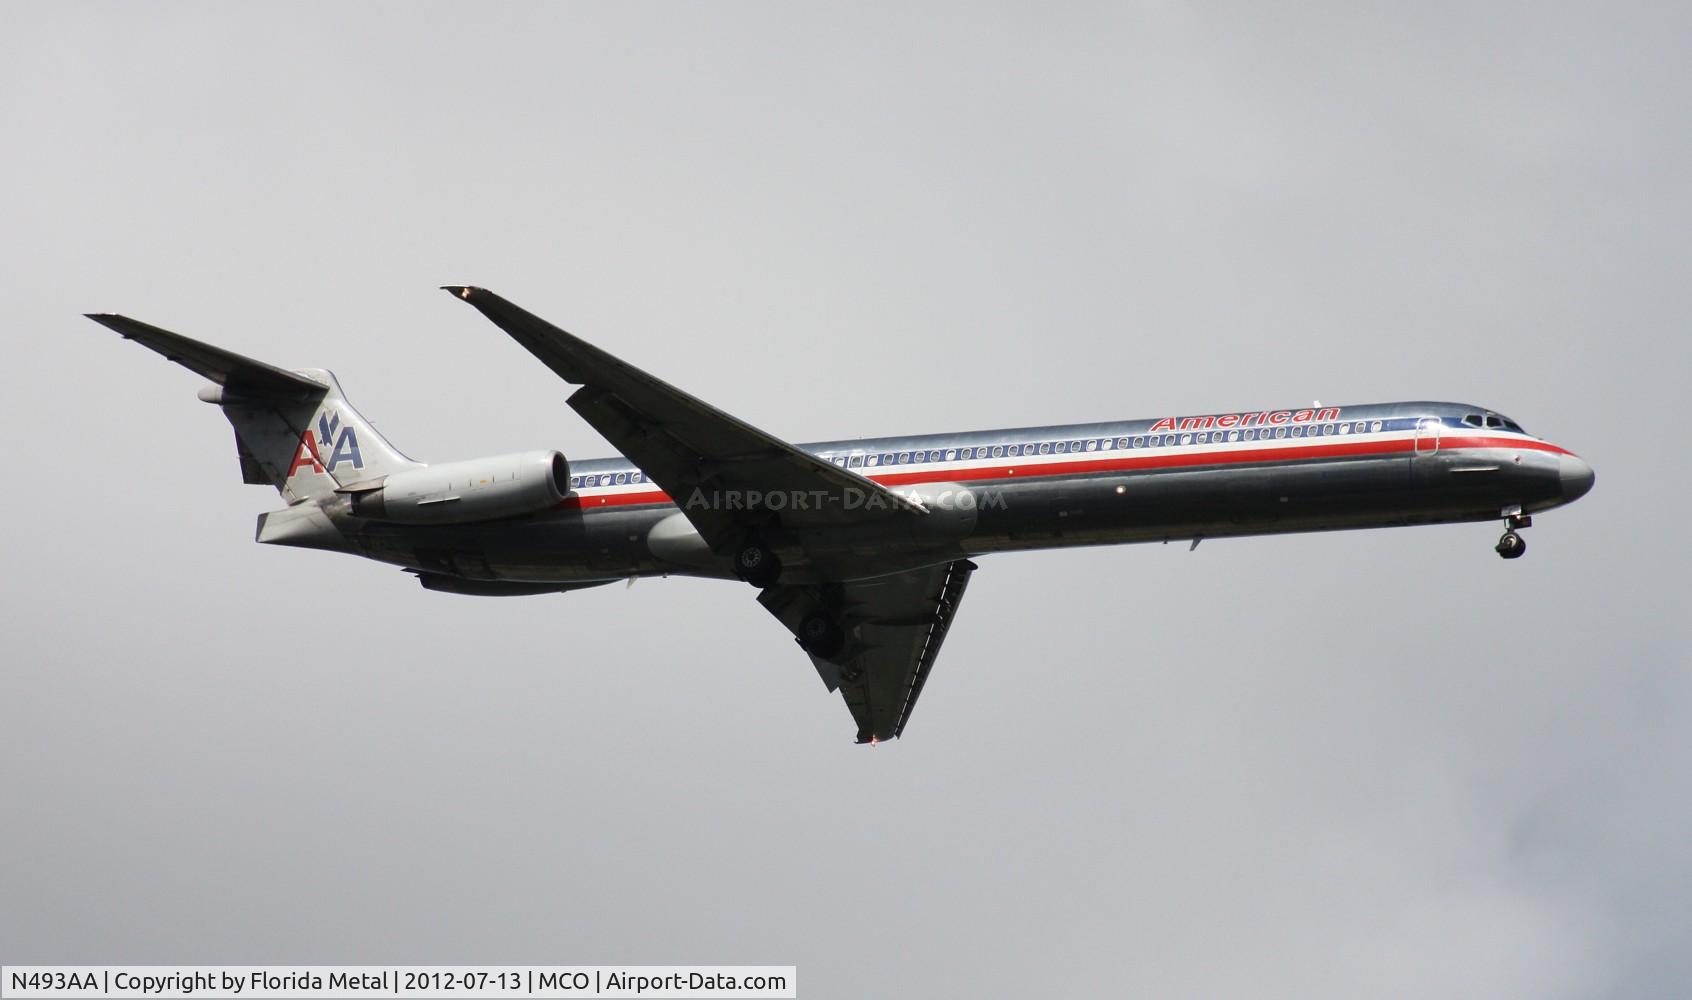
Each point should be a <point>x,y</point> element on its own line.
<point>861,549</point>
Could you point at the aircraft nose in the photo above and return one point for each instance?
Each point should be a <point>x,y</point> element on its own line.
<point>1576,475</point>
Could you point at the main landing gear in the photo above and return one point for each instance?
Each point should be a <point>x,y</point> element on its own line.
<point>756,564</point>
<point>820,635</point>
<point>1513,545</point>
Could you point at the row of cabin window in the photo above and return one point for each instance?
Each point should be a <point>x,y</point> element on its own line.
<point>1046,448</point>
<point>608,479</point>
<point>1100,444</point>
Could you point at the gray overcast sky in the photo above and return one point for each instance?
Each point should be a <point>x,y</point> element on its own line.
<point>1300,766</point>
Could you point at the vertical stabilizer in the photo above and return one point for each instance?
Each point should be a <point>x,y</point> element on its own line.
<point>307,447</point>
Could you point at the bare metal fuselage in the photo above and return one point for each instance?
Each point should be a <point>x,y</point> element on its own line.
<point>1386,465</point>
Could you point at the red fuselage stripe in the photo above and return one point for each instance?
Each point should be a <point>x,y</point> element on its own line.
<point>1130,462</point>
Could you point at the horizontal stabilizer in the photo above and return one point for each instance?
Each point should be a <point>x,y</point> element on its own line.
<point>294,430</point>
<point>232,371</point>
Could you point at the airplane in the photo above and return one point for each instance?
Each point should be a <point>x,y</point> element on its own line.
<point>861,549</point>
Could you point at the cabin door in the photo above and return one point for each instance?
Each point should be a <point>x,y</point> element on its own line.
<point>1427,436</point>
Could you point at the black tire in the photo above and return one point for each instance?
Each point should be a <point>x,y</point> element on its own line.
<point>1511,546</point>
<point>757,565</point>
<point>821,636</point>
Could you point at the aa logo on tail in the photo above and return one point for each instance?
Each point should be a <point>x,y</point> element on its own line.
<point>308,451</point>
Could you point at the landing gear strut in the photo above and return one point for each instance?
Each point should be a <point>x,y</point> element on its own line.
<point>757,565</point>
<point>1513,545</point>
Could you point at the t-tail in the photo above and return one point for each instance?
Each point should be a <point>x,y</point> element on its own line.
<point>294,430</point>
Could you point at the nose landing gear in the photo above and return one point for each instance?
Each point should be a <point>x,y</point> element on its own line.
<point>1513,545</point>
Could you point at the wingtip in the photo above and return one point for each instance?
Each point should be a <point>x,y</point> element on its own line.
<point>462,291</point>
<point>111,321</point>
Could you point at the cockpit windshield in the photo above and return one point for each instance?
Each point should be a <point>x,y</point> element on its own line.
<point>1492,421</point>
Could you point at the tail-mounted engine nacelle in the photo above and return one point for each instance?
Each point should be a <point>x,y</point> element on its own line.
<point>481,489</point>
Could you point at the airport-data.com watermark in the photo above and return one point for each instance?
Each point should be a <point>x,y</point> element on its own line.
<point>332,982</point>
<point>851,498</point>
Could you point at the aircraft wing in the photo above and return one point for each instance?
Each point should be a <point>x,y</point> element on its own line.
<point>687,445</point>
<point>894,626</point>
